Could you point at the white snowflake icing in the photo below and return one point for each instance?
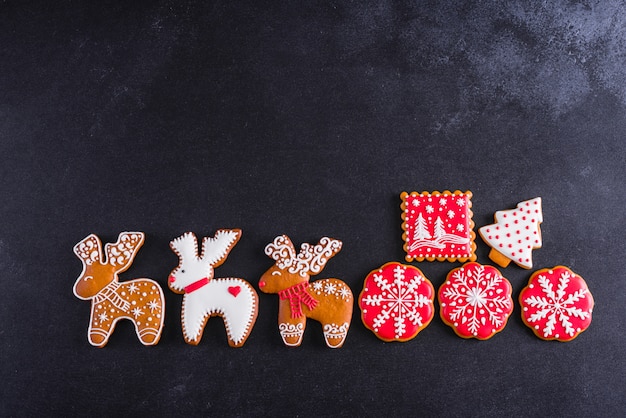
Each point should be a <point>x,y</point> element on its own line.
<point>317,286</point>
<point>133,288</point>
<point>330,288</point>
<point>429,209</point>
<point>344,292</point>
<point>460,201</point>
<point>153,304</point>
<point>399,301</point>
<point>416,202</point>
<point>476,298</point>
<point>443,201</point>
<point>460,227</point>
<point>450,214</point>
<point>137,312</point>
<point>556,306</point>
<point>103,317</point>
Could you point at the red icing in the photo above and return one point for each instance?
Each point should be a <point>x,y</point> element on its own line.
<point>438,225</point>
<point>475,301</point>
<point>396,302</point>
<point>234,290</point>
<point>298,296</point>
<point>556,304</point>
<point>196,285</point>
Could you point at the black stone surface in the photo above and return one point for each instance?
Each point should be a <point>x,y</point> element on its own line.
<point>305,119</point>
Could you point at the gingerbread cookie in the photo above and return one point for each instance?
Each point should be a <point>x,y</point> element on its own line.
<point>328,301</point>
<point>438,226</point>
<point>396,302</point>
<point>556,304</point>
<point>140,301</point>
<point>235,300</point>
<point>515,234</point>
<point>475,300</point>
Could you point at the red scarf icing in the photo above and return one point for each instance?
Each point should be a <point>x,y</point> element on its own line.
<point>298,296</point>
<point>196,285</point>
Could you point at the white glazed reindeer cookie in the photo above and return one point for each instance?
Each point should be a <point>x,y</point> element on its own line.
<point>139,300</point>
<point>235,300</point>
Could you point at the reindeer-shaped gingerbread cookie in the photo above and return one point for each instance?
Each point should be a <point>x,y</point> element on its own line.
<point>139,300</point>
<point>235,300</point>
<point>328,301</point>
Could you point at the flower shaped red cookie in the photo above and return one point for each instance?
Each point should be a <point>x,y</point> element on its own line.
<point>475,301</point>
<point>396,302</point>
<point>556,304</point>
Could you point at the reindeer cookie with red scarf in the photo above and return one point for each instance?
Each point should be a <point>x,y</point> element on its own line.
<point>328,301</point>
<point>234,299</point>
<point>140,300</point>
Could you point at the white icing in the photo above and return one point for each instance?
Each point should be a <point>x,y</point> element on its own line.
<point>334,334</point>
<point>516,231</point>
<point>237,306</point>
<point>193,267</point>
<point>291,331</point>
<point>238,311</point>
<point>557,305</point>
<point>309,261</point>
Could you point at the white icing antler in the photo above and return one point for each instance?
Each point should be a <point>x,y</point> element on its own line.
<point>89,250</point>
<point>215,249</point>
<point>312,259</point>
<point>185,246</point>
<point>282,251</point>
<point>121,253</point>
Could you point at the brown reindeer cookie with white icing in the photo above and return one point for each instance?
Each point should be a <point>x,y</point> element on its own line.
<point>328,301</point>
<point>140,301</point>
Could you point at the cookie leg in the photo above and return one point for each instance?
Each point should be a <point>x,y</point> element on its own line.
<point>99,335</point>
<point>334,334</point>
<point>292,331</point>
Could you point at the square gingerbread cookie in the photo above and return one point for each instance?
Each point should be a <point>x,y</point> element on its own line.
<point>438,226</point>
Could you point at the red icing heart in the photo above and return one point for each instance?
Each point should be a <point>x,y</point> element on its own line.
<point>234,290</point>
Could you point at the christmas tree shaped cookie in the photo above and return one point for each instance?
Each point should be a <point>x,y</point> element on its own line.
<point>515,234</point>
<point>438,226</point>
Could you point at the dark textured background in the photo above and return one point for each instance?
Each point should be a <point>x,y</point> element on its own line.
<point>307,120</point>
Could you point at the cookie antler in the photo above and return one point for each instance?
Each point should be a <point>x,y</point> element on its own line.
<point>89,250</point>
<point>282,251</point>
<point>185,246</point>
<point>215,249</point>
<point>121,253</point>
<point>312,259</point>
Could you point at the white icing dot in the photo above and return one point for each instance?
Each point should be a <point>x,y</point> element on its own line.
<point>536,326</point>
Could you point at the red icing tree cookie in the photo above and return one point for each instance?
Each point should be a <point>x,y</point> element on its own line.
<point>438,226</point>
<point>475,301</point>
<point>556,304</point>
<point>515,234</point>
<point>396,302</point>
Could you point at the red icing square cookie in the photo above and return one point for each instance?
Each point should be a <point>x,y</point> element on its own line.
<point>438,226</point>
<point>556,304</point>
<point>396,302</point>
<point>475,301</point>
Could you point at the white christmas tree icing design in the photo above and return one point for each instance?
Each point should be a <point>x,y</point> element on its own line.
<point>515,234</point>
<point>437,226</point>
<point>476,301</point>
